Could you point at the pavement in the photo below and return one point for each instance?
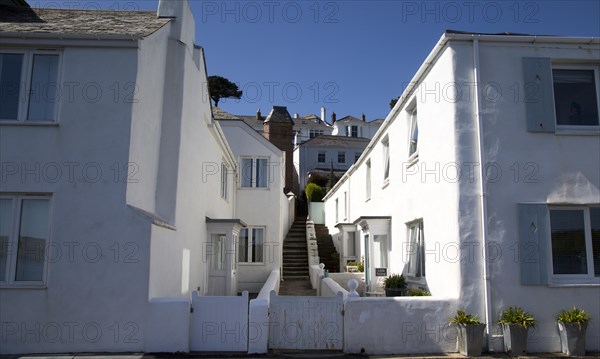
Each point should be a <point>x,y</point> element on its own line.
<point>278,354</point>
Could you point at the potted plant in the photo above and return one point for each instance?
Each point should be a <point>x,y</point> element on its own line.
<point>395,285</point>
<point>469,341</point>
<point>572,325</point>
<point>417,292</point>
<point>515,324</point>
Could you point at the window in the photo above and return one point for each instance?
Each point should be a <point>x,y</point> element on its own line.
<point>368,180</point>
<point>217,258</point>
<point>414,135</point>
<point>345,206</point>
<point>341,157</point>
<point>575,241</point>
<point>380,251</point>
<point>251,242</point>
<point>28,86</point>
<point>356,156</point>
<point>352,131</point>
<point>321,157</point>
<point>255,172</point>
<point>386,158</point>
<point>24,225</point>
<point>575,96</point>
<point>351,245</point>
<point>224,180</point>
<point>315,133</point>
<point>337,210</point>
<point>416,249</point>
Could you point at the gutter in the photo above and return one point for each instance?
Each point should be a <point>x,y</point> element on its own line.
<point>487,295</point>
<point>65,36</point>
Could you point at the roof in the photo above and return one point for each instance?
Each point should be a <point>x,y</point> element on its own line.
<point>279,114</point>
<point>253,121</point>
<point>337,141</point>
<point>219,114</point>
<point>137,24</point>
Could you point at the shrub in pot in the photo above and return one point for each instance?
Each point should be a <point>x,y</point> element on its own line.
<point>395,285</point>
<point>417,292</point>
<point>572,325</point>
<point>469,340</point>
<point>515,324</point>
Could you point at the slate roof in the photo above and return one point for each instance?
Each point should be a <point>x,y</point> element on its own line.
<point>337,141</point>
<point>219,114</point>
<point>279,114</point>
<point>137,24</point>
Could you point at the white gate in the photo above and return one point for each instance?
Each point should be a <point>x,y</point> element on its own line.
<point>306,323</point>
<point>219,323</point>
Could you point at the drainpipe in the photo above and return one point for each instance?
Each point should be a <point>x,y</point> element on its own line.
<point>483,193</point>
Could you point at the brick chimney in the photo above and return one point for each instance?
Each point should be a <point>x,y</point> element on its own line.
<point>363,118</point>
<point>278,129</point>
<point>333,118</point>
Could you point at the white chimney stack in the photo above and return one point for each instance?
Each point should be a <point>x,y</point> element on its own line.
<point>323,114</point>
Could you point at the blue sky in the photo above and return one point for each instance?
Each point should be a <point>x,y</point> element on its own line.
<point>350,56</point>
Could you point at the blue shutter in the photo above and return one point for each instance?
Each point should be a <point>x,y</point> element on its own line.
<point>534,239</point>
<point>537,88</point>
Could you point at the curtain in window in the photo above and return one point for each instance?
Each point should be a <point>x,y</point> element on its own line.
<point>414,134</point>
<point>386,160</point>
<point>43,89</point>
<point>257,244</point>
<point>246,172</point>
<point>261,173</point>
<point>568,242</point>
<point>32,240</point>
<point>243,245</point>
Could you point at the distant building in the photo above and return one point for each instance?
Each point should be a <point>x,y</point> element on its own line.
<point>351,126</point>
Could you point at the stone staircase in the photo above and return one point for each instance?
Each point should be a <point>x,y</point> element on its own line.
<point>295,252</point>
<point>328,255</point>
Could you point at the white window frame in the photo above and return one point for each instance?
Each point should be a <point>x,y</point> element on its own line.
<point>253,182</point>
<point>342,154</point>
<point>386,160</point>
<point>419,252</point>
<point>345,205</point>
<point>368,186</point>
<point>324,153</point>
<point>25,90</point>
<point>575,128</point>
<point>413,121</point>
<point>224,180</point>
<point>251,243</point>
<point>13,242</point>
<point>574,278</point>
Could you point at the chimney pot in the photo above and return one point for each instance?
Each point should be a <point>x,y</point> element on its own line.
<point>258,115</point>
<point>333,118</point>
<point>363,118</point>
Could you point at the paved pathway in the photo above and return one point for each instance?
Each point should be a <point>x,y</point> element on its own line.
<point>296,286</point>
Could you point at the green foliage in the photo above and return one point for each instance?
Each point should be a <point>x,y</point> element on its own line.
<point>575,315</point>
<point>220,87</point>
<point>314,192</point>
<point>317,179</point>
<point>393,101</point>
<point>360,265</point>
<point>395,281</point>
<point>516,315</point>
<point>462,317</point>
<point>418,292</point>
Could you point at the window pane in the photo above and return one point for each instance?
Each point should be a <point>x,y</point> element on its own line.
<point>261,173</point>
<point>257,244</point>
<point>33,233</point>
<point>595,223</point>
<point>243,245</point>
<point>217,257</point>
<point>5,228</point>
<point>369,179</point>
<point>386,160</point>
<point>351,244</point>
<point>223,181</point>
<point>381,251</point>
<point>43,94</point>
<point>10,85</point>
<point>568,242</point>
<point>414,134</point>
<point>575,97</point>
<point>246,172</point>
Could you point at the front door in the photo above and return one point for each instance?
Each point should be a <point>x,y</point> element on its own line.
<point>217,272</point>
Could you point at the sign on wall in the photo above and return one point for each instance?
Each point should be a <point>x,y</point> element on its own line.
<point>381,272</point>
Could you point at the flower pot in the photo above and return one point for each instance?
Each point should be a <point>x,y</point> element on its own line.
<point>395,292</point>
<point>515,339</point>
<point>469,341</point>
<point>572,338</point>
